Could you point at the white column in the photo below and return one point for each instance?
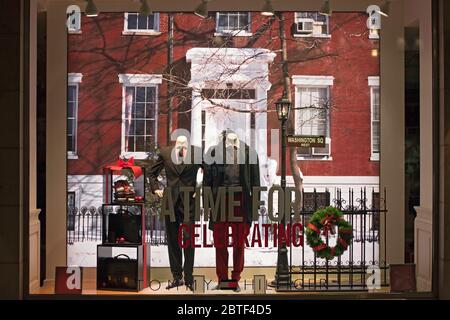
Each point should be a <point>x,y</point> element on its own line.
<point>34,228</point>
<point>419,11</point>
<point>35,248</point>
<point>196,120</point>
<point>56,171</point>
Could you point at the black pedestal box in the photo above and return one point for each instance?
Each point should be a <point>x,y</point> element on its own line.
<point>124,267</point>
<point>123,223</point>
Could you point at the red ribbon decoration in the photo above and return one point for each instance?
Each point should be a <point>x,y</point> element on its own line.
<point>320,247</point>
<point>127,164</point>
<point>328,223</point>
<point>314,228</point>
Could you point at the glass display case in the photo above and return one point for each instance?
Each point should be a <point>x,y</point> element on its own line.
<point>124,184</point>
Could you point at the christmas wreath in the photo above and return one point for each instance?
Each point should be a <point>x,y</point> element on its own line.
<point>323,222</point>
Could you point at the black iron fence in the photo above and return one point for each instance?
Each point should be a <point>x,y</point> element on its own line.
<point>363,265</point>
<point>85,225</point>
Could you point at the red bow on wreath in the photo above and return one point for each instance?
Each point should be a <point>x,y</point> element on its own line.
<point>127,164</point>
<point>328,223</point>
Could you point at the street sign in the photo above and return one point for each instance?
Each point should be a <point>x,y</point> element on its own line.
<point>306,141</point>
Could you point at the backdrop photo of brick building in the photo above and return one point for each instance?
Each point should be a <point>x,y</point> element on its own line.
<point>134,79</point>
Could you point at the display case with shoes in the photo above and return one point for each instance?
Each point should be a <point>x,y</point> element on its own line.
<point>124,182</point>
<point>123,257</point>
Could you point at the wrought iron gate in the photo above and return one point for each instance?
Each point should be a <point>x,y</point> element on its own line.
<point>363,264</point>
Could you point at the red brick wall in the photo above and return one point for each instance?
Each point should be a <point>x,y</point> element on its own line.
<point>101,52</point>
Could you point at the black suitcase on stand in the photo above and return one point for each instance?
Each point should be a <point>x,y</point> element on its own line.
<point>128,269</point>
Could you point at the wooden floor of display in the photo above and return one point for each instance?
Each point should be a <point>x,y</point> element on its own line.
<point>162,275</point>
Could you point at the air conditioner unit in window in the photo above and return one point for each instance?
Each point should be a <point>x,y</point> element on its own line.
<point>323,151</point>
<point>305,27</point>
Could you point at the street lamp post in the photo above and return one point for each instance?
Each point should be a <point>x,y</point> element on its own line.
<point>282,277</point>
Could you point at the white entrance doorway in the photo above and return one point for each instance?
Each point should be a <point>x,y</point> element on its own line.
<point>230,92</point>
<point>216,119</point>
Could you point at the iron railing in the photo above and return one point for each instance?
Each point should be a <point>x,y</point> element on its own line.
<point>85,225</point>
<point>362,265</point>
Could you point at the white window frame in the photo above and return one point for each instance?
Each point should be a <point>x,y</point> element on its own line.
<point>234,33</point>
<point>136,80</point>
<point>312,34</point>
<point>74,79</point>
<point>77,29</point>
<point>374,82</point>
<point>315,82</point>
<point>143,32</point>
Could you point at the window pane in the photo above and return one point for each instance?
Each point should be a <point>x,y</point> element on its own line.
<point>70,127</point>
<point>140,94</point>
<point>129,99</point>
<point>71,93</point>
<point>321,18</point>
<point>139,110</point>
<point>312,117</point>
<point>142,22</point>
<point>376,112</point>
<point>151,94</point>
<point>233,21</point>
<point>320,98</point>
<point>321,124</point>
<point>70,110</point>
<point>130,146</point>
<point>243,23</point>
<point>223,21</point>
<point>150,111</point>
<point>132,21</point>
<point>140,144</point>
<point>151,21</point>
<point>140,127</point>
<point>375,104</point>
<point>70,144</point>
<point>150,128</point>
<point>376,136</point>
<point>131,129</point>
<point>130,91</point>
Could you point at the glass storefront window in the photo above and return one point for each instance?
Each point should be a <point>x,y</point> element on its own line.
<point>332,195</point>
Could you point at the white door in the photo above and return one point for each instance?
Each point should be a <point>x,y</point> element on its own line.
<point>217,119</point>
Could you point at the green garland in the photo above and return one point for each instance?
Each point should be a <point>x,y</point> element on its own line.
<point>322,222</point>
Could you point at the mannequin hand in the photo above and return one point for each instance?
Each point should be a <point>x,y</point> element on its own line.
<point>159,193</point>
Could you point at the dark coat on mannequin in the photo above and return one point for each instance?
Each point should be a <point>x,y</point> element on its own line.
<point>214,175</point>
